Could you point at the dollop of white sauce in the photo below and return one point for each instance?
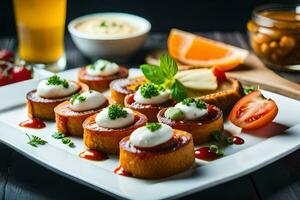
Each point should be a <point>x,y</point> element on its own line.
<point>93,100</point>
<point>143,137</point>
<point>102,68</point>
<point>103,120</point>
<point>161,98</point>
<point>55,91</point>
<point>190,111</point>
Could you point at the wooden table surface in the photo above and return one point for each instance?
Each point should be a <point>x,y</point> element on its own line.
<point>21,178</point>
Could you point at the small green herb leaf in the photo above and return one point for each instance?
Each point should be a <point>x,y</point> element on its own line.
<point>71,144</point>
<point>66,140</point>
<point>56,80</point>
<point>168,66</point>
<point>153,126</point>
<point>217,135</point>
<point>103,24</point>
<point>178,92</point>
<point>153,73</point>
<point>58,135</point>
<point>198,102</point>
<point>229,140</point>
<point>116,111</point>
<point>215,149</point>
<point>35,140</point>
<point>250,89</point>
<point>149,90</point>
<point>78,97</point>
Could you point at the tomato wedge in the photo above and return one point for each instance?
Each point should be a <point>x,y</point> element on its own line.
<point>253,111</point>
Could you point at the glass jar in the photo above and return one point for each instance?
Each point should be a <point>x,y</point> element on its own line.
<point>274,35</point>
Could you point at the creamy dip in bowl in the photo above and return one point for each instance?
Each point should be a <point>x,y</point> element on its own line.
<point>109,35</point>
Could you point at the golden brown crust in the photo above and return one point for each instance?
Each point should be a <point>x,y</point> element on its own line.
<point>107,140</point>
<point>147,109</point>
<point>70,122</point>
<point>200,129</point>
<point>153,165</point>
<point>122,87</point>
<point>225,99</point>
<point>100,83</point>
<point>42,108</point>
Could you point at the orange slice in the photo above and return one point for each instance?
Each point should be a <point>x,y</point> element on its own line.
<point>198,51</point>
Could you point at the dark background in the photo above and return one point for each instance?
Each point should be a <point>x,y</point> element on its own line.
<point>190,15</point>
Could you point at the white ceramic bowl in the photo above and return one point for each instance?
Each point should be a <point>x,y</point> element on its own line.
<point>96,47</point>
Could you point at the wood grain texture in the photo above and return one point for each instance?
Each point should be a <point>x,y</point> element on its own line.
<point>21,178</point>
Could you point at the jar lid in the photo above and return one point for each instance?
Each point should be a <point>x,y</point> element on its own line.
<point>277,16</point>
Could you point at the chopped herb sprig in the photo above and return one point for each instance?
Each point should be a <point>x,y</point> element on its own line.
<point>56,80</point>
<point>251,88</point>
<point>78,97</point>
<point>164,75</point>
<point>199,103</point>
<point>35,140</point>
<point>116,111</point>
<point>64,139</point>
<point>153,126</point>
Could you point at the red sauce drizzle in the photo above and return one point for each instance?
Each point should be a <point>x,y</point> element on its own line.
<point>33,123</point>
<point>93,155</point>
<point>120,171</point>
<point>237,140</point>
<point>204,153</point>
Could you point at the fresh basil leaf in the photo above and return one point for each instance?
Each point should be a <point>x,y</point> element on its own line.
<point>178,92</point>
<point>168,66</point>
<point>153,73</point>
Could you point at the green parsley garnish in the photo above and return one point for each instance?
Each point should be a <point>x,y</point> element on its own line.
<point>64,139</point>
<point>153,126</point>
<point>199,103</point>
<point>250,89</point>
<point>229,140</point>
<point>103,24</point>
<point>56,80</point>
<point>164,75</point>
<point>78,97</point>
<point>58,135</point>
<point>215,149</point>
<point>217,135</point>
<point>149,90</point>
<point>116,111</point>
<point>35,140</point>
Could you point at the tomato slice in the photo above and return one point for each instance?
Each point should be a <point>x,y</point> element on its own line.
<point>253,111</point>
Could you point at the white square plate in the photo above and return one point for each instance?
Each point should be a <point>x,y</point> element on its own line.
<point>259,150</point>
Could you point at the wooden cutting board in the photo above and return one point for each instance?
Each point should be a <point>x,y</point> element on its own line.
<point>252,72</point>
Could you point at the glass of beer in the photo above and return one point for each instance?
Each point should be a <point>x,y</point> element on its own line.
<point>40,28</point>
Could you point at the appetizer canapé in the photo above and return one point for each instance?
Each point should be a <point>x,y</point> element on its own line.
<point>149,99</point>
<point>70,115</point>
<point>49,93</point>
<point>156,151</point>
<point>104,131</point>
<point>193,116</point>
<point>99,74</point>
<point>121,87</point>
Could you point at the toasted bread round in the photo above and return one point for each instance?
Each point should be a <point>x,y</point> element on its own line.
<point>70,122</point>
<point>42,108</point>
<point>122,87</point>
<point>106,139</point>
<point>202,128</point>
<point>100,83</point>
<point>158,163</point>
<point>147,109</point>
